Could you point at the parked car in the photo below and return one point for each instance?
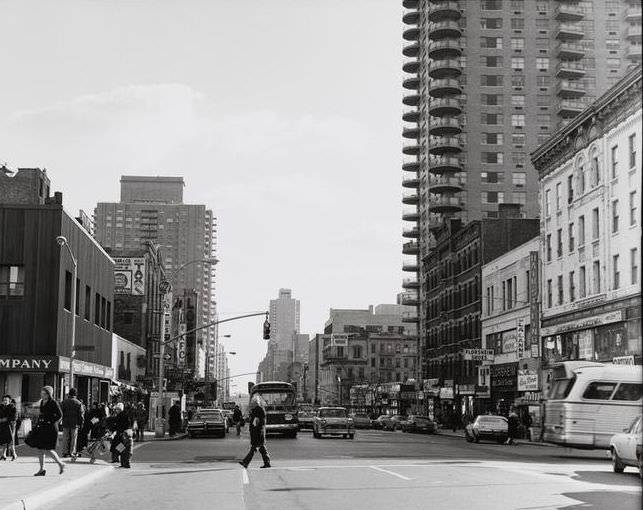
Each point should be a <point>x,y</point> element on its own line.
<point>378,423</point>
<point>625,447</point>
<point>207,421</point>
<point>306,419</point>
<point>487,427</point>
<point>333,421</point>
<point>361,420</point>
<point>393,422</point>
<point>418,424</point>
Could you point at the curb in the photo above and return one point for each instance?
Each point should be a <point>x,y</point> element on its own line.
<point>47,496</point>
<point>519,442</point>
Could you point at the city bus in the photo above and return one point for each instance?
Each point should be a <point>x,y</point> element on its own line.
<point>589,402</point>
<point>281,407</point>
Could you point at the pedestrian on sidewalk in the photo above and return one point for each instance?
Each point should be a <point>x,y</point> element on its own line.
<point>45,435</point>
<point>8,417</point>
<point>513,422</point>
<point>141,420</point>
<point>175,418</point>
<point>237,418</point>
<point>257,427</point>
<point>122,444</point>
<point>73,416</point>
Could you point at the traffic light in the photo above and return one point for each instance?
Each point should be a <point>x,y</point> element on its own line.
<point>266,329</point>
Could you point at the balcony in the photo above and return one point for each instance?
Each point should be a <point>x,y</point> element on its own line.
<point>572,70</point>
<point>410,299</point>
<point>444,11</point>
<point>411,99</point>
<point>445,106</point>
<point>411,248</point>
<point>411,17</point>
<point>569,107</point>
<point>570,89</point>
<point>440,145</point>
<point>447,48</point>
<point>411,83</point>
<point>410,4</point>
<point>411,233</point>
<point>410,283</point>
<point>633,51</point>
<point>445,126</point>
<point>569,12</point>
<point>435,223</point>
<point>411,166</point>
<point>569,31</point>
<point>410,317</point>
<point>445,184</point>
<point>410,198</point>
<point>571,51</point>
<point>411,50</point>
<point>448,68</point>
<point>410,214</point>
<point>410,267</point>
<point>633,14</point>
<point>411,115</point>
<point>411,66</point>
<point>445,87</point>
<point>412,181</point>
<point>442,204</point>
<point>633,32</point>
<point>411,149</point>
<point>412,132</point>
<point>411,34</point>
<point>445,164</point>
<point>444,29</point>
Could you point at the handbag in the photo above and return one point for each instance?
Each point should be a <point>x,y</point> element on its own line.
<point>32,438</point>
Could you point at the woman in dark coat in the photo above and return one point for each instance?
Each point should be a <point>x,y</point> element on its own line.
<point>257,421</point>
<point>46,435</point>
<point>8,416</point>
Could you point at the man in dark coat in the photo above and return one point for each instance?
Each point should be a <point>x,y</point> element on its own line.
<point>513,422</point>
<point>175,418</point>
<point>73,417</point>
<point>237,418</point>
<point>257,426</point>
<point>122,444</point>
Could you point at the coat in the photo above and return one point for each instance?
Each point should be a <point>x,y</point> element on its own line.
<point>46,433</point>
<point>175,414</point>
<point>258,430</point>
<point>8,416</point>
<point>73,412</point>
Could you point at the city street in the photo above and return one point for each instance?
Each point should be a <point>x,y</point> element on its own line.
<point>377,470</point>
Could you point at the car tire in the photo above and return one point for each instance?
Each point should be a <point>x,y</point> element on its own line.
<point>617,463</point>
<point>315,434</point>
<point>468,438</point>
<point>351,436</point>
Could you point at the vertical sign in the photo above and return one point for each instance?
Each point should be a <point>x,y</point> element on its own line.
<point>520,337</point>
<point>181,345</point>
<point>534,304</point>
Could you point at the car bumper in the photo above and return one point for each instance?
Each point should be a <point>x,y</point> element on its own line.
<point>279,428</point>
<point>206,427</point>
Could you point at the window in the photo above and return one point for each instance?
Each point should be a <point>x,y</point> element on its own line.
<point>596,175</point>
<point>517,120</point>
<point>517,43</point>
<point>615,272</point>
<point>519,197</point>
<point>582,286</point>
<point>491,23</point>
<point>559,242</point>
<point>634,266</point>
<point>614,161</point>
<point>570,189</point>
<point>549,294</point>
<point>68,279</point>
<point>492,177</point>
<point>518,81</point>
<point>491,42</point>
<point>633,204</point>
<point>97,309</point>
<point>108,324</point>
<point>547,202</point>
<point>12,281</point>
<point>560,289</point>
<point>491,61</point>
<point>518,63</point>
<point>492,119</point>
<point>615,216</point>
<point>595,225</point>
<point>491,99</point>
<point>491,5</point>
<point>558,192</point>
<point>518,139</point>
<point>492,138</point>
<point>572,287</point>
<point>542,63</point>
<point>517,23</point>
<point>629,391</point>
<point>581,179</point>
<point>570,237</point>
<point>596,277</point>
<point>543,81</point>
<point>599,391</point>
<point>632,149</point>
<point>518,100</point>
<point>491,80</point>
<point>581,231</point>
<point>77,297</point>
<point>495,158</point>
<point>88,302</point>
<point>519,179</point>
<point>518,159</point>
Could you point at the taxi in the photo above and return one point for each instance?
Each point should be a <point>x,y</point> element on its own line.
<point>333,421</point>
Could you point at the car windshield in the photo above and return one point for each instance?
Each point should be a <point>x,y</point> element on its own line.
<point>491,420</point>
<point>421,419</point>
<point>561,388</point>
<point>210,414</point>
<point>332,413</point>
<point>360,415</point>
<point>278,398</point>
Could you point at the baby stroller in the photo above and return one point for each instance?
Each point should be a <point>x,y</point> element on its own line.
<point>97,447</point>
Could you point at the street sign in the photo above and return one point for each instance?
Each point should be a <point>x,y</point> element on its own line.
<point>164,286</point>
<point>478,354</point>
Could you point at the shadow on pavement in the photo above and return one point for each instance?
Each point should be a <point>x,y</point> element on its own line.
<point>606,477</point>
<point>601,501</point>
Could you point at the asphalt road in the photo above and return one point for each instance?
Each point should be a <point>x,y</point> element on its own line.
<point>376,470</point>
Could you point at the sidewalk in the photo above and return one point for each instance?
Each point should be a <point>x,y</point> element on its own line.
<point>459,434</point>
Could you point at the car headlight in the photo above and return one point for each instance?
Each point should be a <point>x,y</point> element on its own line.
<point>323,422</point>
<point>350,421</point>
<point>288,417</point>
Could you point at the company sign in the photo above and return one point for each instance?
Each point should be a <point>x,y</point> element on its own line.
<point>28,363</point>
<point>339,339</point>
<point>528,380</point>
<point>129,276</point>
<point>504,377</point>
<point>520,336</point>
<point>623,360</point>
<point>534,307</point>
<point>478,354</point>
<point>509,342</point>
<point>586,323</point>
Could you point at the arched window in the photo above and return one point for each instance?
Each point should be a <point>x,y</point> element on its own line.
<point>595,168</point>
<point>580,176</point>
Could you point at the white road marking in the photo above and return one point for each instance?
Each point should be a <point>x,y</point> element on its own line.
<point>244,477</point>
<point>392,473</point>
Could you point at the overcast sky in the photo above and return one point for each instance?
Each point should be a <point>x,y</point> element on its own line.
<point>283,116</point>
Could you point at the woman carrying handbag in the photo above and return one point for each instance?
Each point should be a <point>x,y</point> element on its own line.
<point>45,435</point>
<point>8,416</point>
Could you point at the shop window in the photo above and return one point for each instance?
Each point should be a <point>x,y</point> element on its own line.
<point>12,281</point>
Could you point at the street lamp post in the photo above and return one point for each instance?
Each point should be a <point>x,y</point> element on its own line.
<point>62,242</point>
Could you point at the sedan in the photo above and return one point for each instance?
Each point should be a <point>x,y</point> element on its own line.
<point>207,421</point>
<point>419,424</point>
<point>361,420</point>
<point>487,427</point>
<point>625,447</point>
<point>306,419</point>
<point>333,421</point>
<point>393,423</point>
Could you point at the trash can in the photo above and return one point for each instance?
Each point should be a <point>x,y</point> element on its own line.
<point>159,427</point>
